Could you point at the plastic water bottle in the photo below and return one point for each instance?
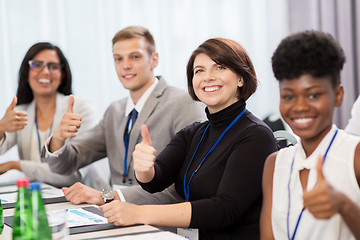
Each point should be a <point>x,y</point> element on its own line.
<point>40,225</point>
<point>1,218</point>
<point>22,222</point>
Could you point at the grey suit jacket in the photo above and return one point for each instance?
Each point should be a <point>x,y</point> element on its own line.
<point>166,111</point>
<point>32,168</point>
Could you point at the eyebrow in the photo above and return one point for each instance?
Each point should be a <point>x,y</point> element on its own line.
<point>134,52</point>
<point>201,66</point>
<point>45,61</point>
<point>306,89</point>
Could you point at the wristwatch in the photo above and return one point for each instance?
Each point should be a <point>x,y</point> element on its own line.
<point>107,195</point>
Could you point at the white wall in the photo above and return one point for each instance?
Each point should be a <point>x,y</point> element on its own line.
<point>83,29</point>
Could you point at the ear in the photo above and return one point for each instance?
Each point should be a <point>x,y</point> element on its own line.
<point>154,60</point>
<point>240,82</point>
<point>339,95</point>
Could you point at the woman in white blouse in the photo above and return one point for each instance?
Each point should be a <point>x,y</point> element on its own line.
<point>40,102</point>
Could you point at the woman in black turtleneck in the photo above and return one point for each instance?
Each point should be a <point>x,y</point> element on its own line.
<point>215,165</point>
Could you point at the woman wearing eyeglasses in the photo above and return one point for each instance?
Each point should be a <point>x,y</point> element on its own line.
<point>40,103</point>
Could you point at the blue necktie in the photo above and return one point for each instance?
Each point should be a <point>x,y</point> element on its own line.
<point>129,126</point>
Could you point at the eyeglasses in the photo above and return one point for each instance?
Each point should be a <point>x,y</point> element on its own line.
<point>38,66</point>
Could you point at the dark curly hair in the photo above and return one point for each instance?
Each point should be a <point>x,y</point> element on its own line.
<point>24,92</point>
<point>230,54</point>
<point>309,52</point>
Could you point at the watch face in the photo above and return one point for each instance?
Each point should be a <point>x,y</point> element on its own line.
<point>107,195</point>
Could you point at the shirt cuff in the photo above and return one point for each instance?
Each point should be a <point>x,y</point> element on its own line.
<point>27,167</point>
<point>122,198</point>
<point>54,154</point>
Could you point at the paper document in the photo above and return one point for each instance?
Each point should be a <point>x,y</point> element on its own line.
<point>8,197</point>
<point>8,194</point>
<point>51,193</point>
<point>80,217</point>
<point>7,189</point>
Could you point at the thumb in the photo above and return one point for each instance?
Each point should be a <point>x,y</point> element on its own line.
<point>145,135</point>
<point>12,104</point>
<point>319,168</point>
<point>70,108</point>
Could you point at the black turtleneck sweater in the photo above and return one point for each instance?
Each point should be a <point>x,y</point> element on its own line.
<point>225,193</point>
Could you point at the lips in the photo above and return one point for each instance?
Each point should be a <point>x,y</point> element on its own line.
<point>303,122</point>
<point>129,76</point>
<point>211,88</point>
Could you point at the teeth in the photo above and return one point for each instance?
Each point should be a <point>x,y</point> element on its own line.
<point>302,120</point>
<point>210,89</point>
<point>44,81</point>
<point>129,76</point>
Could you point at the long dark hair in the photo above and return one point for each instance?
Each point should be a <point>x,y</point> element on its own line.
<point>24,92</point>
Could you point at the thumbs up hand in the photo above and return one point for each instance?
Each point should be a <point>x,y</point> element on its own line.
<point>13,120</point>
<point>67,128</point>
<point>70,108</point>
<point>145,135</point>
<point>144,157</point>
<point>323,201</point>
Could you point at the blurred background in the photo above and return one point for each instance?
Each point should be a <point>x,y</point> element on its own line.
<point>83,29</point>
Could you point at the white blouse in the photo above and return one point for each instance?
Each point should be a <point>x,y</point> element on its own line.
<point>339,171</point>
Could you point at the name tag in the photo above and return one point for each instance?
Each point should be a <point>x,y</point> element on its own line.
<point>189,233</point>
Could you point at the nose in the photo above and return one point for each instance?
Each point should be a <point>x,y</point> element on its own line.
<point>209,76</point>
<point>126,64</point>
<point>45,69</point>
<point>301,104</point>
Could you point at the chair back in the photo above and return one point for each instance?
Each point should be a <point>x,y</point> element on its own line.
<point>284,139</point>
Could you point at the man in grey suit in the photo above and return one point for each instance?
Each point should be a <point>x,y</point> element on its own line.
<point>164,109</point>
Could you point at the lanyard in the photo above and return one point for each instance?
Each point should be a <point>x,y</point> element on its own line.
<point>300,215</point>
<point>38,136</point>
<point>186,186</point>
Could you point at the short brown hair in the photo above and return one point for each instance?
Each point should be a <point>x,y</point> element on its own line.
<point>230,54</point>
<point>136,32</point>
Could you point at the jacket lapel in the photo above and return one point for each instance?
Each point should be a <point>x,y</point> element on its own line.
<point>26,134</point>
<point>60,109</point>
<point>146,112</point>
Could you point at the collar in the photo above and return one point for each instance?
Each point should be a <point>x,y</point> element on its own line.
<point>225,116</point>
<point>302,162</point>
<point>140,104</point>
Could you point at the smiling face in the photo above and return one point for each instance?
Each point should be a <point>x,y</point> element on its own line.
<point>307,105</point>
<point>215,85</point>
<point>134,65</point>
<point>44,82</point>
